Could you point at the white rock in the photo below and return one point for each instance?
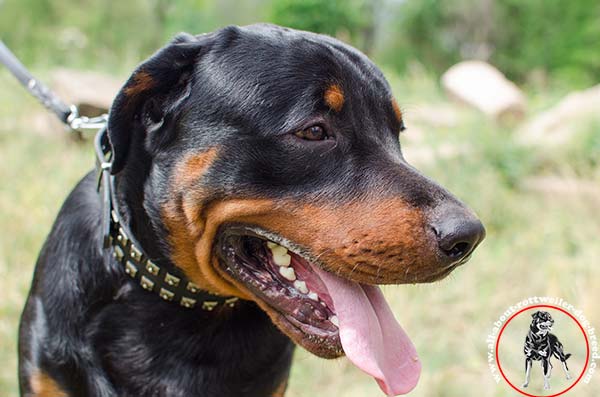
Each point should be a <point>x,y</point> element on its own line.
<point>485,88</point>
<point>558,124</point>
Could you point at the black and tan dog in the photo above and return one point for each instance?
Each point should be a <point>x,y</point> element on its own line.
<point>257,194</point>
<point>541,345</point>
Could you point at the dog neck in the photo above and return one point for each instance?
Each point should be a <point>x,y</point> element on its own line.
<point>133,238</point>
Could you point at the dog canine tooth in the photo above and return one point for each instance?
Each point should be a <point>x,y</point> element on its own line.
<point>272,245</point>
<point>288,273</point>
<point>280,255</point>
<point>313,296</point>
<point>282,259</point>
<point>301,286</point>
<point>335,321</point>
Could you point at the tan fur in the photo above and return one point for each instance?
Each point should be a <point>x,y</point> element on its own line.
<point>143,81</point>
<point>43,385</point>
<point>397,110</point>
<point>334,97</point>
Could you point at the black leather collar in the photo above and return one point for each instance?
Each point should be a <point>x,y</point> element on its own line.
<point>170,285</point>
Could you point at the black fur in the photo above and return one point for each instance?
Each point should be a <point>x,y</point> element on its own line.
<point>95,332</point>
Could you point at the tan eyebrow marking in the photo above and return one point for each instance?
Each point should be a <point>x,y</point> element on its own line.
<point>397,110</point>
<point>334,97</point>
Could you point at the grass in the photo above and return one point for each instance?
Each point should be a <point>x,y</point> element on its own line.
<point>536,245</point>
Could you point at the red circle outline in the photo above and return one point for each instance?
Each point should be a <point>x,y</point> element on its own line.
<point>587,357</point>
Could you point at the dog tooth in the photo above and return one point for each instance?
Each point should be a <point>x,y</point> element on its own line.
<point>313,296</point>
<point>274,247</point>
<point>282,260</point>
<point>281,257</point>
<point>301,286</point>
<point>278,249</point>
<point>335,321</point>
<point>288,273</point>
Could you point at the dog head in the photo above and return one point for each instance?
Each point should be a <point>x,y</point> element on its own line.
<point>275,174</point>
<point>542,322</point>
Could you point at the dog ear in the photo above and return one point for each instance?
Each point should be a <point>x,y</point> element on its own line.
<point>153,93</point>
<point>536,314</point>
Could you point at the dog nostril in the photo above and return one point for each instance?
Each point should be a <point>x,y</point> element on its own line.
<point>458,250</point>
<point>457,233</point>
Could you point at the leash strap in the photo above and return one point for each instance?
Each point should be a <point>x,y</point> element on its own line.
<point>35,87</point>
<point>68,114</point>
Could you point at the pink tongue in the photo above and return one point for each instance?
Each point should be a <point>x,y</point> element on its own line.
<point>371,337</point>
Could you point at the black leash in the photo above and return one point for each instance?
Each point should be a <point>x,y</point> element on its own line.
<point>67,114</point>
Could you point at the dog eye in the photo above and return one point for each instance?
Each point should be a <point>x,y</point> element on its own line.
<point>313,133</point>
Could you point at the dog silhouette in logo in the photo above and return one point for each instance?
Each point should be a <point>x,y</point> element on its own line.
<point>541,345</point>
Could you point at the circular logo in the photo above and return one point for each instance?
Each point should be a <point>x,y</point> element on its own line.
<point>542,350</point>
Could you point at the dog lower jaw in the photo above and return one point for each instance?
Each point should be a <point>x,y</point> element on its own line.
<point>305,316</point>
<point>328,348</point>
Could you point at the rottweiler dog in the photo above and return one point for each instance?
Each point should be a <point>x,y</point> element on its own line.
<point>252,194</point>
<point>541,345</point>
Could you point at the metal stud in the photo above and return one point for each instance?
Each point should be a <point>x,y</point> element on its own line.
<point>130,268</point>
<point>172,280</point>
<point>136,253</point>
<point>209,305</point>
<point>146,283</point>
<point>122,237</point>
<point>152,268</point>
<point>193,288</point>
<point>166,294</point>
<point>188,302</point>
<point>115,218</point>
<point>118,253</point>
<point>231,301</point>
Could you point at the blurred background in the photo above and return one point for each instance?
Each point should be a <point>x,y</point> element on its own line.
<point>516,135</point>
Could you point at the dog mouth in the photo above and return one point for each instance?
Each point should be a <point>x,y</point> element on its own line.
<point>326,314</point>
<point>288,284</point>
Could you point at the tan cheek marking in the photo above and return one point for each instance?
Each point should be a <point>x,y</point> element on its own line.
<point>191,236</point>
<point>192,168</point>
<point>181,213</point>
<point>397,110</point>
<point>44,386</point>
<point>334,97</point>
<point>389,244</point>
<point>377,247</point>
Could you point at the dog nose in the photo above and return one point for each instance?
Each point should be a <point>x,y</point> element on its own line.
<point>458,233</point>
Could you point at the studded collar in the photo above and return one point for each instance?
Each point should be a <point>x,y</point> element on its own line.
<point>170,285</point>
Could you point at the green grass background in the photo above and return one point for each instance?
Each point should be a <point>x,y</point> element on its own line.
<point>537,244</point>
